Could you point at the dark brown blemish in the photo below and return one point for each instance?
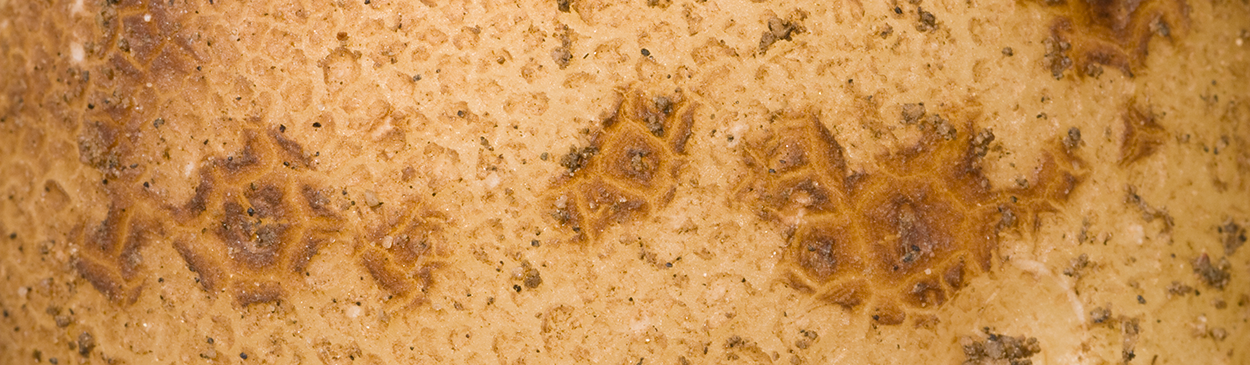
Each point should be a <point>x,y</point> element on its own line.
<point>255,245</point>
<point>293,151</point>
<point>110,258</point>
<point>629,169</point>
<point>1088,35</point>
<point>208,270</point>
<point>827,250</point>
<point>246,158</point>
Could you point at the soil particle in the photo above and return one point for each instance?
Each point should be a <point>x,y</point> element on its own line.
<point>926,22</point>
<point>1233,235</point>
<point>1215,275</point>
<point>999,349</point>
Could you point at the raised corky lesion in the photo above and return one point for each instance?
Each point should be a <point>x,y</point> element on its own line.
<point>630,168</point>
<point>902,236</point>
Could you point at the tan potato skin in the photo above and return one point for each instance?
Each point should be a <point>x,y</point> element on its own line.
<point>671,181</point>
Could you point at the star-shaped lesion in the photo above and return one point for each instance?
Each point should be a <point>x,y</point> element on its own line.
<point>255,220</point>
<point>630,168</point>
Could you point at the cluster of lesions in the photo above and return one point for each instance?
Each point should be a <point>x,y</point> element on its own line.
<point>905,236</point>
<point>630,169</point>
<point>1086,36</point>
<point>255,220</point>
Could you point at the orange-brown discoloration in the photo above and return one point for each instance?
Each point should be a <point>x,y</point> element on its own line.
<point>1142,135</point>
<point>629,170</point>
<point>1088,35</point>
<point>402,249</point>
<point>908,234</point>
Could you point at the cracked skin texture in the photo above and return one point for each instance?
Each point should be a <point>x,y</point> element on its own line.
<point>379,182</point>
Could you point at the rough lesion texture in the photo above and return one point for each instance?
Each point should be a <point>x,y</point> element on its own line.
<point>1086,36</point>
<point>908,232</point>
<point>255,220</point>
<point>630,168</point>
<point>593,181</point>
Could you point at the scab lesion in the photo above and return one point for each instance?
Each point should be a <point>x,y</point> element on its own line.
<point>1086,36</point>
<point>904,234</point>
<point>629,169</point>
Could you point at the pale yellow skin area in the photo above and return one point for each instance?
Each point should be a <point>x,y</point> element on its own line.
<point>598,301</point>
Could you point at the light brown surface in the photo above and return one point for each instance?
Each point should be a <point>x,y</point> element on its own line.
<point>662,182</point>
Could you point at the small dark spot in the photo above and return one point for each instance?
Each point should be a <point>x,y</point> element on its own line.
<point>517,288</point>
<point>243,355</point>
<point>282,128</point>
<point>927,20</point>
<point>1178,289</point>
<point>898,10</point>
<point>460,113</point>
<point>316,124</point>
<point>85,344</point>
<point>645,52</point>
<point>535,243</point>
<point>342,36</point>
<point>532,278</point>
<point>158,122</point>
<point>577,158</point>
<point>563,5</point>
<point>1007,51</point>
<point>1141,299</point>
<point>1073,139</point>
<point>1099,315</point>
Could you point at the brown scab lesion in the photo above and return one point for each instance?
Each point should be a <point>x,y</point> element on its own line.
<point>400,250</point>
<point>1085,36</point>
<point>253,223</point>
<point>905,234</point>
<point>110,258</point>
<point>630,168</point>
<point>1142,135</point>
